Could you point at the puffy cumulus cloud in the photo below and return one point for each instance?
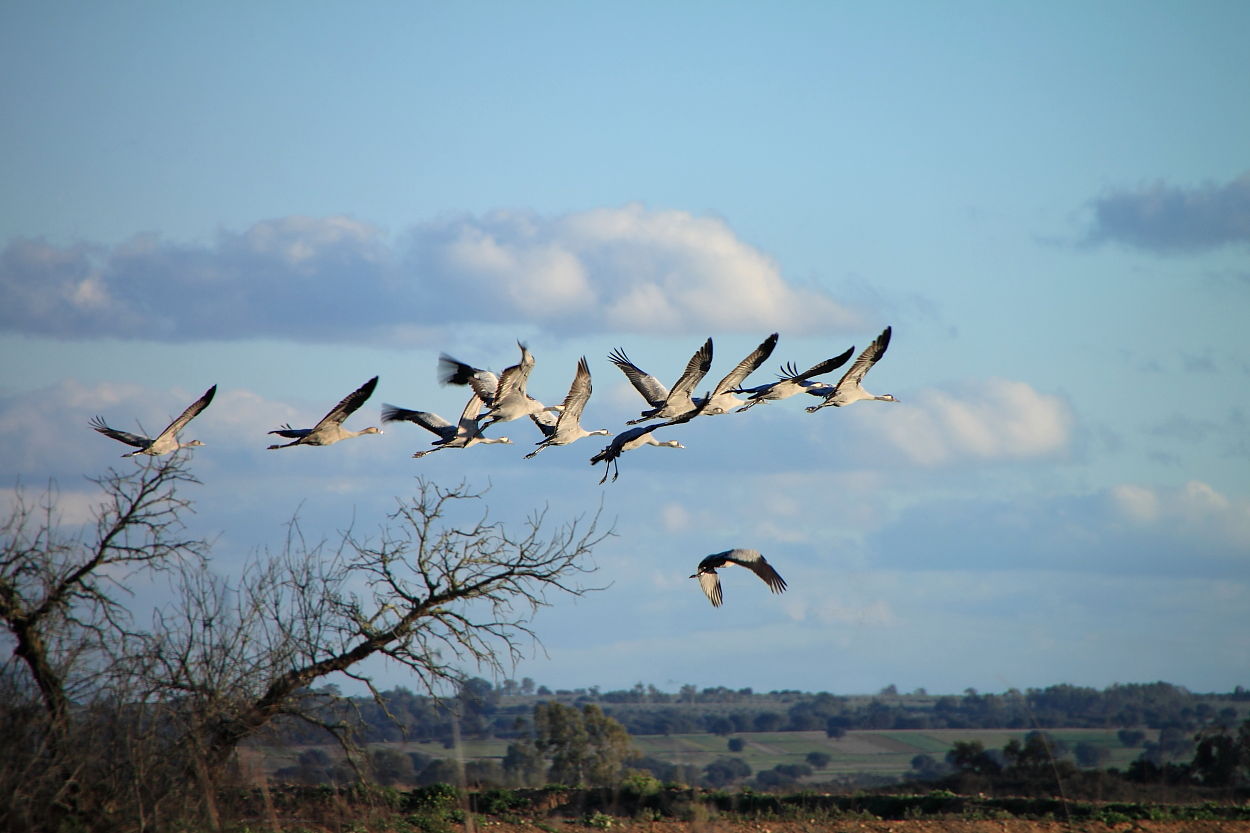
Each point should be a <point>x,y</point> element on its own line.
<point>997,419</point>
<point>1165,218</point>
<point>297,277</point>
<point>622,269</point>
<point>335,279</point>
<point>60,292</point>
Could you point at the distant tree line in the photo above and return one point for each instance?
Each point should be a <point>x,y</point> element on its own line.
<point>1216,760</point>
<point>483,710</point>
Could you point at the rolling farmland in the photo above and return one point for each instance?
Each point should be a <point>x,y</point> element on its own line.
<point>884,752</point>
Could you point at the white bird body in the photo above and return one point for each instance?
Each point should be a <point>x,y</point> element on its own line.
<point>793,382</point>
<point>709,581</point>
<point>465,433</point>
<point>849,389</point>
<point>666,403</point>
<point>568,427</point>
<point>723,399</point>
<point>167,440</point>
<point>330,429</point>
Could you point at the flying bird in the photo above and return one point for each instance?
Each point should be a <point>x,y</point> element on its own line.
<point>791,381</point>
<point>164,442</point>
<point>848,388</point>
<point>330,429</point>
<point>751,559</point>
<point>666,403</point>
<point>723,399</point>
<point>465,433</point>
<point>504,395</point>
<point>637,437</point>
<point>568,427</point>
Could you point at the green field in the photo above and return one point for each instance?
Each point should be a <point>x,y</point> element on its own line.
<point>886,752</point>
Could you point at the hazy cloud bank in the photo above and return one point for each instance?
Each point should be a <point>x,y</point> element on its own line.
<point>1193,531</point>
<point>336,279</point>
<point>1167,218</point>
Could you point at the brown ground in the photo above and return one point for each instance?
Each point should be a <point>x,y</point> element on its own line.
<point>874,826</point>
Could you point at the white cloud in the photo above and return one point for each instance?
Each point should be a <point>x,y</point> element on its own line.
<point>1135,502</point>
<point>1191,530</point>
<point>1196,511</point>
<point>997,419</point>
<point>72,507</point>
<point>336,279</point>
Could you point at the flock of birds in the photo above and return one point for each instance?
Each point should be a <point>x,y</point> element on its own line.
<point>502,398</point>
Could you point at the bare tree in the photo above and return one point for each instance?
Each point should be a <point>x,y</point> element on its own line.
<point>436,592</point>
<point>440,589</point>
<point>63,593</point>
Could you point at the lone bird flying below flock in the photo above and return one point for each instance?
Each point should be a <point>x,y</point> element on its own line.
<point>330,429</point>
<point>791,381</point>
<point>637,437</point>
<point>751,559</point>
<point>568,427</point>
<point>666,403</point>
<point>164,442</point>
<point>723,399</point>
<point>465,433</point>
<point>628,440</point>
<point>848,388</point>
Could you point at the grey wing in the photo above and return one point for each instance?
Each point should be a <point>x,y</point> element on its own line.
<point>579,394</point>
<point>468,425</point>
<point>826,366</point>
<point>429,421</point>
<point>123,436</point>
<point>820,390</point>
<point>192,411</point>
<point>453,372</point>
<point>710,582</point>
<point>755,562</point>
<point>698,366</point>
<point>349,404</point>
<point>687,416</point>
<point>514,378</point>
<point>747,366</point>
<point>651,388</point>
<point>868,358</point>
<point>545,421</point>
<point>291,433</point>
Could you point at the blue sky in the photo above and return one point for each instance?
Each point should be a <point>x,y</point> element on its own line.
<point>1049,203</point>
